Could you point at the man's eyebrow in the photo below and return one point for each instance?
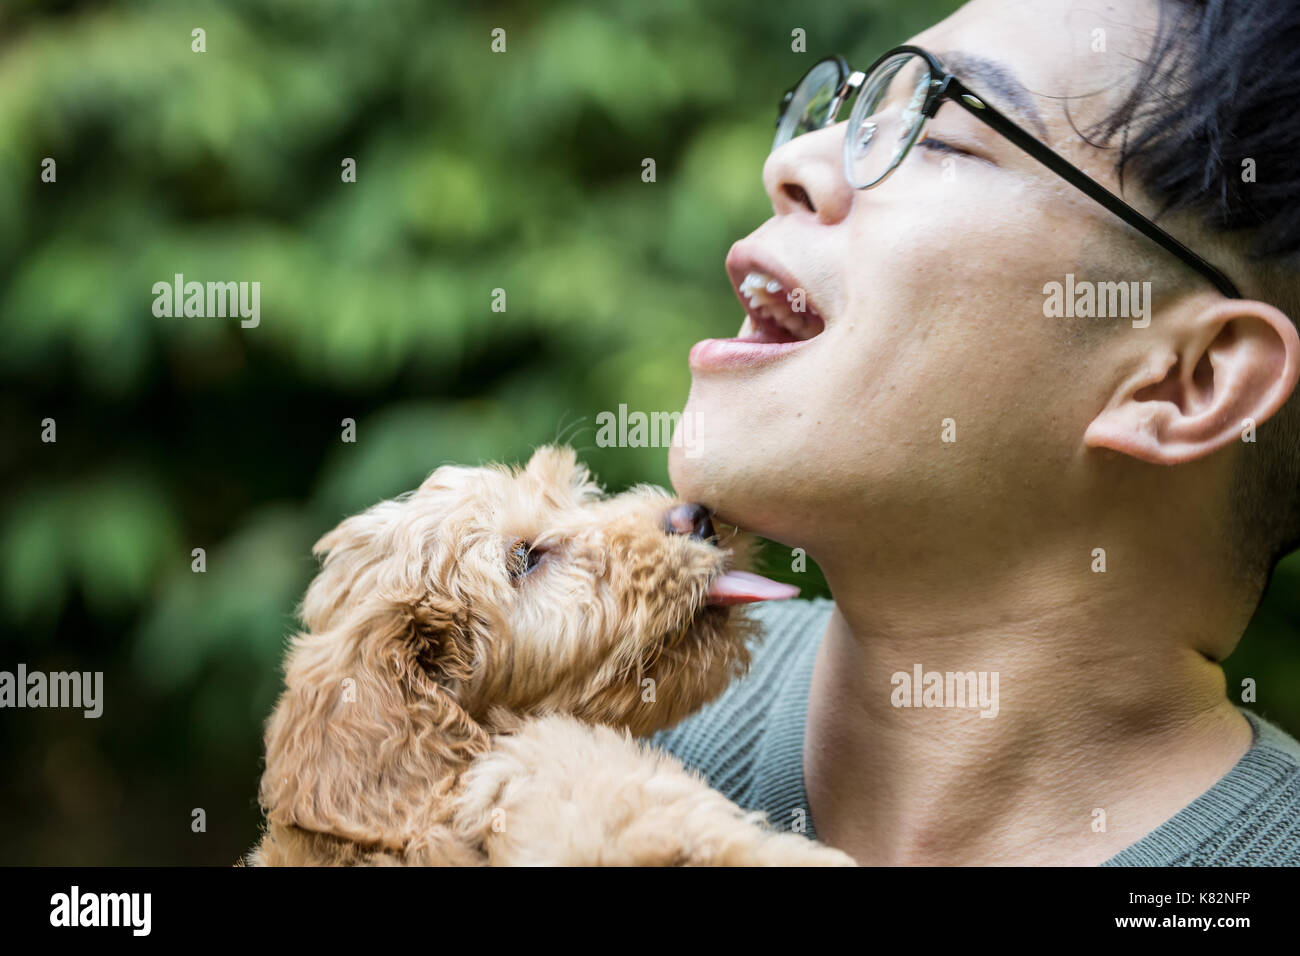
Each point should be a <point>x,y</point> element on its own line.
<point>998,79</point>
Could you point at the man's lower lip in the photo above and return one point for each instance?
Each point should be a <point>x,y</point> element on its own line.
<point>737,353</point>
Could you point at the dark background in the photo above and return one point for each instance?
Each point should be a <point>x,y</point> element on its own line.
<point>476,171</point>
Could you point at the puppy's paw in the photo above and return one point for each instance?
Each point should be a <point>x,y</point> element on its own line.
<point>559,792</point>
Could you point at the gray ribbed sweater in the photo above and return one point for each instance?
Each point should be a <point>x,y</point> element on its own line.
<point>749,744</point>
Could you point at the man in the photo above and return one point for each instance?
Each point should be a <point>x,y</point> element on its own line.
<point>1006,472</point>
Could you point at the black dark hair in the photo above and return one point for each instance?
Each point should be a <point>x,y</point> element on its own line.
<point>1221,87</point>
<point>1219,91</point>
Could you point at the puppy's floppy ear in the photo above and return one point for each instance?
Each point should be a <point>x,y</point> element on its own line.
<point>366,737</point>
<point>443,642</point>
<point>552,464</point>
<point>353,558</point>
<point>557,466</point>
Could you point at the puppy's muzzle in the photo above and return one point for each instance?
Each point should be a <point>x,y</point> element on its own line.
<point>690,519</point>
<point>729,587</point>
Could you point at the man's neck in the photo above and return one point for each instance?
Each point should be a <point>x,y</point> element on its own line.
<point>1110,716</point>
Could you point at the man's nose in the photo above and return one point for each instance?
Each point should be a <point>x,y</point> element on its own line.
<point>691,519</point>
<point>806,175</point>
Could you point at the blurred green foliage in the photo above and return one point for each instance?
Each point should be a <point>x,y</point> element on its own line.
<point>476,171</point>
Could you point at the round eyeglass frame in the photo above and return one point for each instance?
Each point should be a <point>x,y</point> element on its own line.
<point>945,86</point>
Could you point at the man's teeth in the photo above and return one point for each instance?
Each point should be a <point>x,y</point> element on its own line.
<point>769,299</point>
<point>759,289</point>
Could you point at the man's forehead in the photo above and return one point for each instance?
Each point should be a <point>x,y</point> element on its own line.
<point>1038,59</point>
<point>997,80</point>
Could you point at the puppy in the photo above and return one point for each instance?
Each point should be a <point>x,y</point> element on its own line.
<point>477,656</point>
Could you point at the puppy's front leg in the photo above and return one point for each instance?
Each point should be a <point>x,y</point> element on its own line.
<point>560,792</point>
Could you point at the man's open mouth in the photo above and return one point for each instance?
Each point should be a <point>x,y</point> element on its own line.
<point>780,317</point>
<point>774,313</point>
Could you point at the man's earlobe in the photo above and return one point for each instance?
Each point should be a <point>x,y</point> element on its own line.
<point>1232,369</point>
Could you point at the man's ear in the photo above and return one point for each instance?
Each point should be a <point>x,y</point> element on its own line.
<point>1235,365</point>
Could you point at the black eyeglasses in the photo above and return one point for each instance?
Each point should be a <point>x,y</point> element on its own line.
<point>903,89</point>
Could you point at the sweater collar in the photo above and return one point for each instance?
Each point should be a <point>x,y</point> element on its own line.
<point>781,791</point>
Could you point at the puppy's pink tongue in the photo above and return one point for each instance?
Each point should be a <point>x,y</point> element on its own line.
<point>742,587</point>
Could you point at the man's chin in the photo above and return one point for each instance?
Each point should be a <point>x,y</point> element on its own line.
<point>743,467</point>
<point>716,477</point>
<point>695,476</point>
<point>684,473</point>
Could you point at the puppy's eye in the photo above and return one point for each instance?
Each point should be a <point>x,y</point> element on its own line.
<point>522,558</point>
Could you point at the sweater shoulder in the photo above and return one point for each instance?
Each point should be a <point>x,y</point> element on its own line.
<point>724,739</point>
<point>1251,817</point>
<point>1267,831</point>
<point>1272,737</point>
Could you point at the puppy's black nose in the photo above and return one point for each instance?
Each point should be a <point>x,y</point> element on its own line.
<point>689,519</point>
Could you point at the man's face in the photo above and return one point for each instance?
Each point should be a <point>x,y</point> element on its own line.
<point>930,287</point>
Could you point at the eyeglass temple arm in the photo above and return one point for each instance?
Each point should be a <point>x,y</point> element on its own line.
<point>954,90</point>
